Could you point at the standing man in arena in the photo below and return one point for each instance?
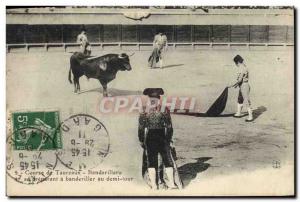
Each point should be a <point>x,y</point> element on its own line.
<point>159,46</point>
<point>155,133</point>
<point>85,46</point>
<point>244,88</point>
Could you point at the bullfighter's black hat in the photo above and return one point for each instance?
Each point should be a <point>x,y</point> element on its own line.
<point>238,59</point>
<point>153,92</point>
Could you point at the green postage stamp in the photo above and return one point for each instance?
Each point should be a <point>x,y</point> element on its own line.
<point>36,130</point>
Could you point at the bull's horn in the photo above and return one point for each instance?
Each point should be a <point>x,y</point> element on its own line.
<point>131,54</point>
<point>93,57</point>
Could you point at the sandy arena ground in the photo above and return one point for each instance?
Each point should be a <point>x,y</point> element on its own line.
<point>214,154</point>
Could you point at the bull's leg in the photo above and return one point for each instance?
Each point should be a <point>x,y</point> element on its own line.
<point>105,94</point>
<point>75,85</point>
<point>104,85</point>
<point>78,85</point>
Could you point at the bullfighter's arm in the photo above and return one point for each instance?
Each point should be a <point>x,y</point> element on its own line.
<point>168,125</point>
<point>142,128</point>
<point>239,79</point>
<point>166,46</point>
<point>155,41</point>
<point>78,39</point>
<point>166,43</point>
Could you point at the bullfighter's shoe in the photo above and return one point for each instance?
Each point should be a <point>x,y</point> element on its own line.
<point>170,176</point>
<point>152,178</point>
<point>238,114</point>
<point>250,115</point>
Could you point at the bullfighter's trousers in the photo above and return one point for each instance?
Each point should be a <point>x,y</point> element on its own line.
<point>244,92</point>
<point>156,144</point>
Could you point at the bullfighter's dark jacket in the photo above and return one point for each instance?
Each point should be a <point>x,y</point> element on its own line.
<point>155,119</point>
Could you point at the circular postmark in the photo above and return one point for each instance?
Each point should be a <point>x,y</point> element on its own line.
<point>85,142</point>
<point>28,161</point>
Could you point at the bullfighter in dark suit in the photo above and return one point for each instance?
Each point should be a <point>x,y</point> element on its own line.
<point>155,133</point>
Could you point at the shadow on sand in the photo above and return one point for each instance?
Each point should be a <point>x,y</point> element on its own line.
<point>204,114</point>
<point>114,92</point>
<point>168,66</point>
<point>175,65</point>
<point>189,171</point>
<point>258,111</point>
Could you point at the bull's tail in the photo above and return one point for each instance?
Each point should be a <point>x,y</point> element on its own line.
<point>70,76</point>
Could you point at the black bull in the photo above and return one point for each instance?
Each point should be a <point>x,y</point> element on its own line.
<point>103,68</point>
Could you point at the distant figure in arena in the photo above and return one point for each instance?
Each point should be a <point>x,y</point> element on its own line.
<point>244,88</point>
<point>159,46</point>
<point>85,46</point>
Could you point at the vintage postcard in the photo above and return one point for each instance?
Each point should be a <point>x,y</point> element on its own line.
<point>150,101</point>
